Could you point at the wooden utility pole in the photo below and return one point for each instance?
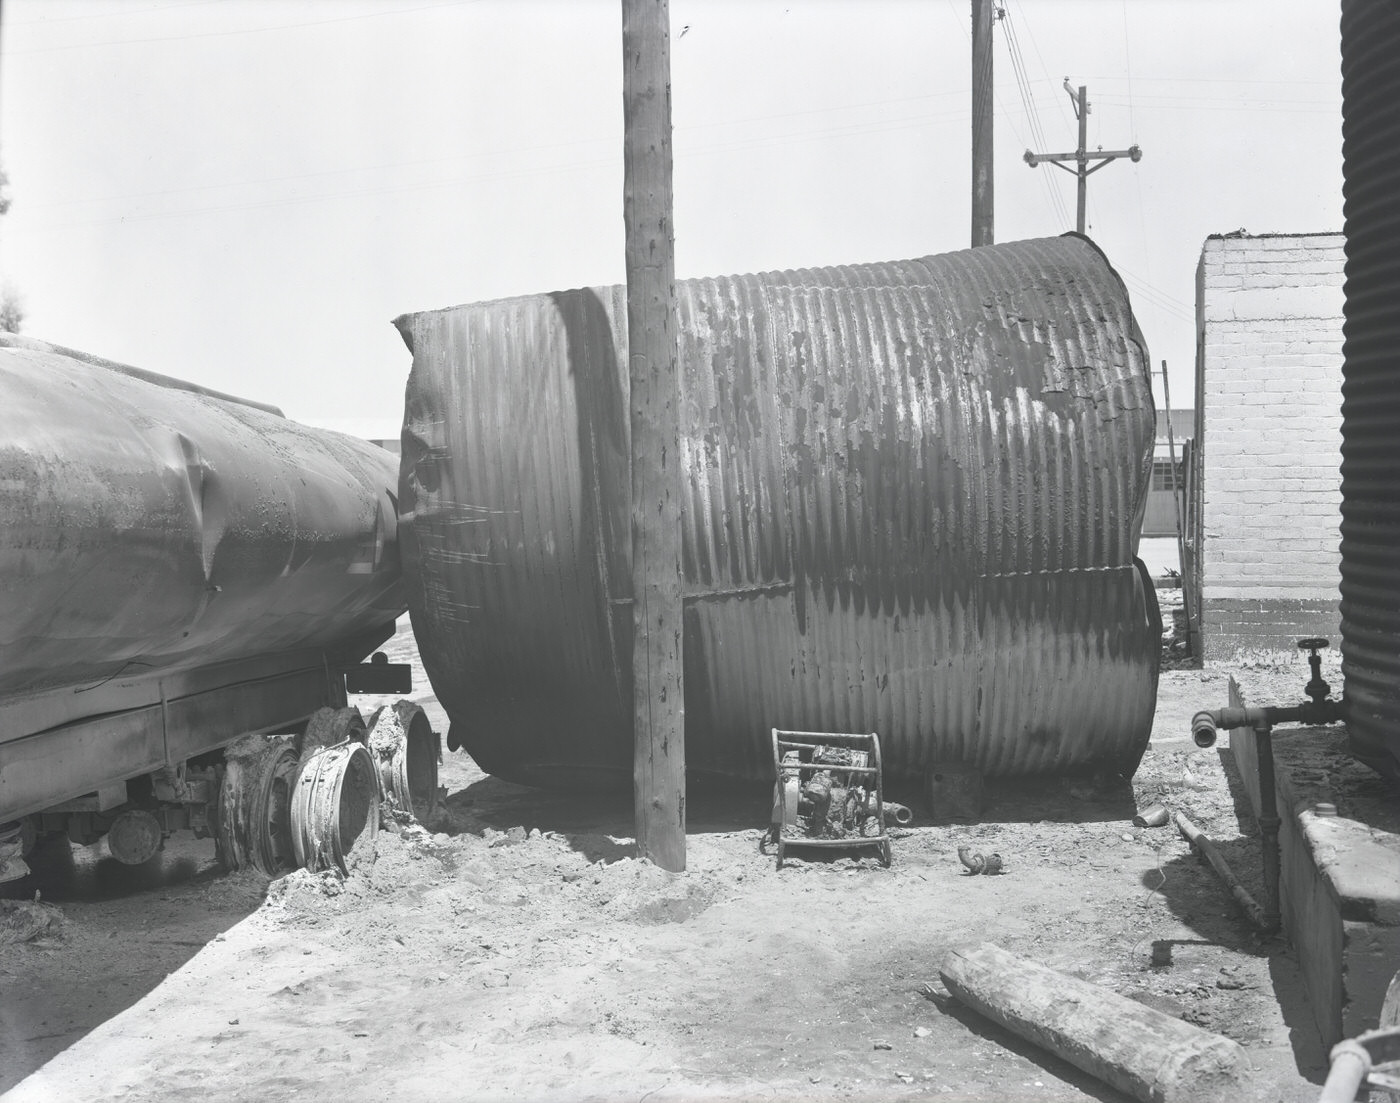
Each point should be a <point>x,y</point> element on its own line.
<point>982,190</point>
<point>1182,513</point>
<point>1081,156</point>
<point>658,697</point>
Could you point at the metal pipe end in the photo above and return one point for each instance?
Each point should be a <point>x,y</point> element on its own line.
<point>1203,729</point>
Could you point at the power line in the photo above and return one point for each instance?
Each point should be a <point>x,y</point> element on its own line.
<point>1057,208</point>
<point>1060,107</point>
<point>1132,130</point>
<point>1221,103</point>
<point>238,30</point>
<point>682,153</point>
<point>109,12</point>
<point>1160,299</point>
<point>840,130</point>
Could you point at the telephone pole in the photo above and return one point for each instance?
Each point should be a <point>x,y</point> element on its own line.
<point>982,191</point>
<point>1081,156</point>
<point>658,695</point>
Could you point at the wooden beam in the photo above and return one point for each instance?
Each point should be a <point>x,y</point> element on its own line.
<point>1136,1048</point>
<point>658,699</point>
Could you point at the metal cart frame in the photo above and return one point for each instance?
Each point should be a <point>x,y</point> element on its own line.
<point>810,742</point>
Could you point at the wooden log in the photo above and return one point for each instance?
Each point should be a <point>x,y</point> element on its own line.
<point>1138,1050</point>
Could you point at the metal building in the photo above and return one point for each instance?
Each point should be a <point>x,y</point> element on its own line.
<point>1371,381</point>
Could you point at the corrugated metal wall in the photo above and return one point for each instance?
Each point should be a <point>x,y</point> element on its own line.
<point>913,497</point>
<point>1371,381</point>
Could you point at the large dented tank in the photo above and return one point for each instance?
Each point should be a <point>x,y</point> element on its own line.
<point>147,525</point>
<point>912,500</point>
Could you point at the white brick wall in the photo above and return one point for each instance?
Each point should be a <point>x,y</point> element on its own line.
<point>1269,376</point>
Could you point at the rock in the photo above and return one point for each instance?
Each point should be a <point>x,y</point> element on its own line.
<point>883,1045</point>
<point>922,1032</point>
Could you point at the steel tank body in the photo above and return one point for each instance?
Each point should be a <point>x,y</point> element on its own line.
<point>912,498</point>
<point>149,525</point>
<point>1370,525</point>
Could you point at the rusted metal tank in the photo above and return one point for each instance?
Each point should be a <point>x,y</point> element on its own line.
<point>912,498</point>
<point>1371,382</point>
<point>148,525</point>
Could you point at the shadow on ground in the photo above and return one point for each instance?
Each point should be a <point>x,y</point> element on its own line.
<point>1209,915</point>
<point>593,820</point>
<point>998,1035</point>
<point>124,929</point>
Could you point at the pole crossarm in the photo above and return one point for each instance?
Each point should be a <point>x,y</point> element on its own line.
<point>1081,157</point>
<point>1133,153</point>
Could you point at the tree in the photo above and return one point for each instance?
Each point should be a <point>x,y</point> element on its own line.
<point>11,308</point>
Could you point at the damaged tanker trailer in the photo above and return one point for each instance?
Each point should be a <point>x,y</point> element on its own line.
<point>912,495</point>
<point>180,571</point>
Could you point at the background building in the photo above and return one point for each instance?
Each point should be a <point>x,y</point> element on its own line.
<point>1264,475</point>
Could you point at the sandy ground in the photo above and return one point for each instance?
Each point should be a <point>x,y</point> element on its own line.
<point>515,950</point>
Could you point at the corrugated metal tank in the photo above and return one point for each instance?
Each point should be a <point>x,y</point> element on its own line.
<point>912,500</point>
<point>1371,381</point>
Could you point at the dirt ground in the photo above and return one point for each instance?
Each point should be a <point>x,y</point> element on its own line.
<point>515,950</point>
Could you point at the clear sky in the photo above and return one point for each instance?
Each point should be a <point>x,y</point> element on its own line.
<point>244,193</point>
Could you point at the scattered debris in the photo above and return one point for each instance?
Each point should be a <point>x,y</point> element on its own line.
<point>1154,815</point>
<point>29,921</point>
<point>976,862</point>
<point>1228,979</point>
<point>12,863</point>
<point>301,883</point>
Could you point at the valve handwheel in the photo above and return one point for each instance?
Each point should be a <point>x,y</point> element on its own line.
<point>1317,687</point>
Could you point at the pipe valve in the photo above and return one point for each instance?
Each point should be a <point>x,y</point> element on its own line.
<point>1317,687</point>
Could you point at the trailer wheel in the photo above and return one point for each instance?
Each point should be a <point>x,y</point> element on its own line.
<point>405,750</point>
<point>335,807</point>
<point>254,805</point>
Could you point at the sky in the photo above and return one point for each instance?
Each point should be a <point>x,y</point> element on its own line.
<point>245,193</point>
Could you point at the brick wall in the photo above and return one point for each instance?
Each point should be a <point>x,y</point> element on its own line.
<point>1268,388</point>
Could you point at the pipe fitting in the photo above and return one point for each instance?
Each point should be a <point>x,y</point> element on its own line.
<point>1203,729</point>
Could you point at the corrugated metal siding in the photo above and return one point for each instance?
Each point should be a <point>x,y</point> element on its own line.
<point>1371,381</point>
<point>913,495</point>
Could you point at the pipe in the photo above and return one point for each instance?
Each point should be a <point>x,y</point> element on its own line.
<point>1204,730</point>
<point>898,814</point>
<point>1205,723</point>
<point>1207,849</point>
<point>1351,1064</point>
<point>1269,823</point>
